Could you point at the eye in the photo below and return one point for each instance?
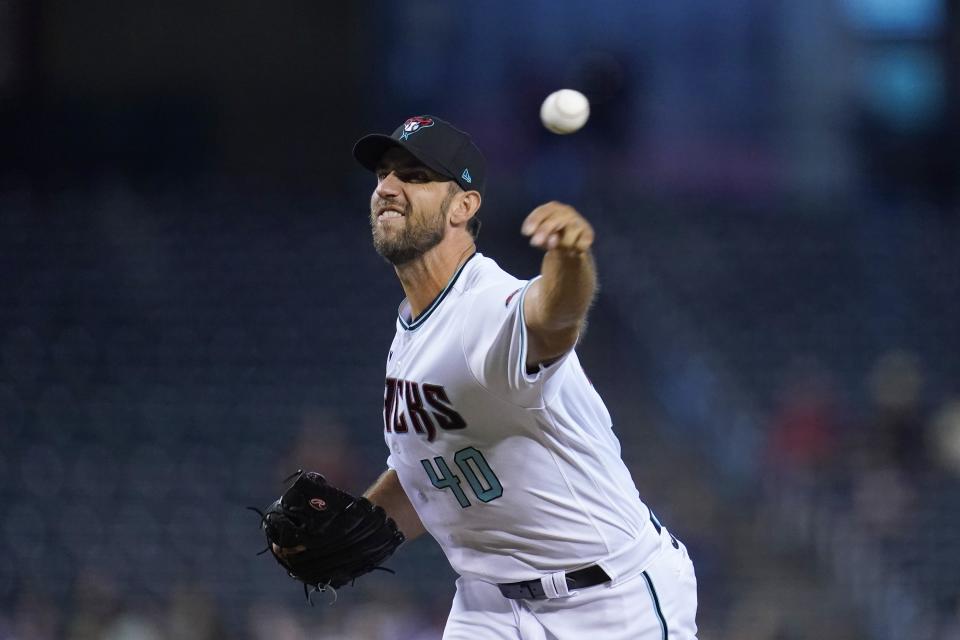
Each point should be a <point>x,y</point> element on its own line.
<point>411,175</point>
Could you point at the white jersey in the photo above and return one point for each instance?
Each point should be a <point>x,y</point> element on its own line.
<point>516,475</point>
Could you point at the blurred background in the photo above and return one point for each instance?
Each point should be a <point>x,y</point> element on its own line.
<point>190,308</point>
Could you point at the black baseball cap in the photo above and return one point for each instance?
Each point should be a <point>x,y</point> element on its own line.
<point>434,142</point>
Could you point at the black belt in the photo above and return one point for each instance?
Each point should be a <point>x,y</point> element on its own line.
<point>533,589</point>
<point>580,579</point>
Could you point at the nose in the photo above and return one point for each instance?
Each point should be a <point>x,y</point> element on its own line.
<point>388,186</point>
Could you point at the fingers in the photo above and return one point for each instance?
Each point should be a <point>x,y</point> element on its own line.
<point>584,240</point>
<point>538,214</point>
<point>548,229</point>
<point>558,226</point>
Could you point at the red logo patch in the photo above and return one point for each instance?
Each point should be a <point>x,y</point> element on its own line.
<point>318,504</point>
<point>510,297</point>
<point>414,124</point>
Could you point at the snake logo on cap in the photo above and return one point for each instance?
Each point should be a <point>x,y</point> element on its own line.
<point>414,124</point>
<point>318,504</point>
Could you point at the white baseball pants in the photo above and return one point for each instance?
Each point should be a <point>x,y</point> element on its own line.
<point>659,603</point>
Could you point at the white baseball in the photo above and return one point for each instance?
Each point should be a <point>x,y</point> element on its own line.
<point>565,111</point>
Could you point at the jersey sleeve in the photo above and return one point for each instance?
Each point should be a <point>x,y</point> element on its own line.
<point>495,344</point>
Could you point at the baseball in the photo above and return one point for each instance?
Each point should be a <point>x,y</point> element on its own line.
<point>565,111</point>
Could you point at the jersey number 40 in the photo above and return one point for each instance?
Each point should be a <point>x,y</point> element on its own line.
<point>473,466</point>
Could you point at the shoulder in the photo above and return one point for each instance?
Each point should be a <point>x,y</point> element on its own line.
<point>489,299</point>
<point>486,277</point>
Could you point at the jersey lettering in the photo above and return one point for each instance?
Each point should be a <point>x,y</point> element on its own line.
<point>399,420</point>
<point>427,406</point>
<point>418,415</point>
<point>389,403</point>
<point>443,410</point>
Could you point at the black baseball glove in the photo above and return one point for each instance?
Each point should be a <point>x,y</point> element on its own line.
<point>327,537</point>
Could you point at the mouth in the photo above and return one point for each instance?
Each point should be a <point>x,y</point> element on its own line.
<point>389,213</point>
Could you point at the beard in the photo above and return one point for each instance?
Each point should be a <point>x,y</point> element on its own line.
<point>417,236</point>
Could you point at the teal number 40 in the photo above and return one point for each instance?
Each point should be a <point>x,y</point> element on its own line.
<point>473,466</point>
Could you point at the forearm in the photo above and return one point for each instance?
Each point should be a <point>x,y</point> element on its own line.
<point>556,305</point>
<point>388,493</point>
<point>565,290</point>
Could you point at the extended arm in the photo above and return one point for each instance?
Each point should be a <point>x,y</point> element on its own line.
<point>555,306</point>
<point>387,492</point>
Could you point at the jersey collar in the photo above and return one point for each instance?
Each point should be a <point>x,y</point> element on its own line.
<point>414,324</point>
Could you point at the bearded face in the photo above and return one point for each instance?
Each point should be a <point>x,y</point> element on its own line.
<point>402,233</point>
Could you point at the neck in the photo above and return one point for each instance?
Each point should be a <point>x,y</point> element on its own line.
<point>425,277</point>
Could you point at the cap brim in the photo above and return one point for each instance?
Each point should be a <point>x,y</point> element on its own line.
<point>370,148</point>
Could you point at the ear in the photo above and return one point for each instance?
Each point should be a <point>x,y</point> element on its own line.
<point>465,206</point>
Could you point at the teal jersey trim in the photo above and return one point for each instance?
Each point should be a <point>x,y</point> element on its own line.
<point>410,326</point>
<point>524,373</point>
<point>656,603</point>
